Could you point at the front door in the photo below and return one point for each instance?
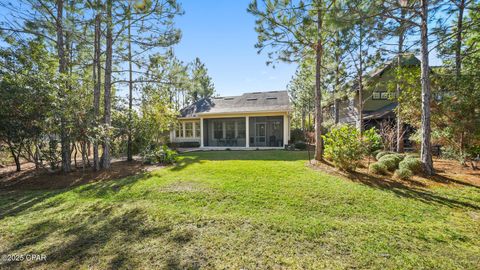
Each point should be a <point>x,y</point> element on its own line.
<point>260,134</point>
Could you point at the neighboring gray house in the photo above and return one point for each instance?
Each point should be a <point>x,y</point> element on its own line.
<point>252,120</point>
<point>378,103</point>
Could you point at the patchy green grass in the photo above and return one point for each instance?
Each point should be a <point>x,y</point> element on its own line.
<point>242,210</point>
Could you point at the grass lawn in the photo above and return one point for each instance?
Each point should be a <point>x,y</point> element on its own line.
<point>242,210</point>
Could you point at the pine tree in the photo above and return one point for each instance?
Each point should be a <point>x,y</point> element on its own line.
<point>201,84</point>
<point>293,30</point>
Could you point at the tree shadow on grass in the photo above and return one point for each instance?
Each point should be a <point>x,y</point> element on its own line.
<point>186,161</point>
<point>89,228</point>
<point>448,180</point>
<point>105,236</point>
<point>14,202</point>
<point>414,190</point>
<point>106,188</point>
<point>407,191</point>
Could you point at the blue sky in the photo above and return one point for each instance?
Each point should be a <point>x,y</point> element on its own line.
<point>222,34</point>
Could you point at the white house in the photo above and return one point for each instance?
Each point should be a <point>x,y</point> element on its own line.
<point>252,120</point>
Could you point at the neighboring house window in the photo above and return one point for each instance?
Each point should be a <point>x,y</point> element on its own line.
<point>197,129</point>
<point>382,95</point>
<point>188,129</point>
<point>217,130</point>
<point>178,130</point>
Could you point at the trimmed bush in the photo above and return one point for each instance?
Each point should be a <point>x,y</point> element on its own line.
<point>411,163</point>
<point>403,174</point>
<point>391,161</point>
<point>188,144</point>
<point>375,153</point>
<point>382,153</point>
<point>300,145</point>
<point>412,155</point>
<point>397,157</point>
<point>377,168</point>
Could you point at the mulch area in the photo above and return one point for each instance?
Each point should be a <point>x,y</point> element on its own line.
<point>31,179</point>
<point>447,173</point>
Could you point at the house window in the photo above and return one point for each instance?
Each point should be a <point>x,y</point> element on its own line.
<point>384,95</point>
<point>197,129</point>
<point>217,130</point>
<point>376,95</point>
<point>178,130</point>
<point>188,129</point>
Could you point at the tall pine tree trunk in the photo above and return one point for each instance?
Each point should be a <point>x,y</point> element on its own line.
<point>318,90</point>
<point>302,123</point>
<point>458,59</point>
<point>426,153</point>
<point>97,81</point>
<point>130,88</point>
<point>398,89</point>
<point>336,89</point>
<point>360,82</point>
<point>106,159</point>
<point>62,68</point>
<point>458,43</point>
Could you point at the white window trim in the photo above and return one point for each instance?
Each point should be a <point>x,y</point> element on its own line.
<point>183,131</point>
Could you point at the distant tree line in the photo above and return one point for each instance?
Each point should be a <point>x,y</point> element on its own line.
<point>91,78</point>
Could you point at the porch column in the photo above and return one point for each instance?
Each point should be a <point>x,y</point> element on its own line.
<point>201,132</point>
<point>247,131</point>
<point>286,128</point>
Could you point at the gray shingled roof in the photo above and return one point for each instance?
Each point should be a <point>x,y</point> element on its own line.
<point>272,101</point>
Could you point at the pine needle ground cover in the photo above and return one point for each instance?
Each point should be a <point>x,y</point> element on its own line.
<point>241,210</point>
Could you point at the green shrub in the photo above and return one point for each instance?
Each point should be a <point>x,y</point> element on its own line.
<point>344,147</point>
<point>391,161</point>
<point>297,135</point>
<point>184,145</point>
<point>164,155</point>
<point>383,153</point>
<point>411,163</point>
<point>377,168</point>
<point>300,145</point>
<point>375,153</point>
<point>412,155</point>
<point>397,157</point>
<point>403,174</point>
<point>372,142</point>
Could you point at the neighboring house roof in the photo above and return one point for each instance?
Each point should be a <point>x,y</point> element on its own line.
<point>406,59</point>
<point>380,113</point>
<point>272,101</point>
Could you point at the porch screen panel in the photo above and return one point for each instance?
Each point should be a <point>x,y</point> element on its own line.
<point>224,132</point>
<point>266,131</point>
